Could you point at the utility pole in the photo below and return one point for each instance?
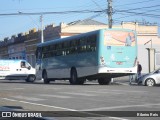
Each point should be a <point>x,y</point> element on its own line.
<point>41,20</point>
<point>110,13</point>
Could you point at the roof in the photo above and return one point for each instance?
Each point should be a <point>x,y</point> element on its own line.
<point>86,22</point>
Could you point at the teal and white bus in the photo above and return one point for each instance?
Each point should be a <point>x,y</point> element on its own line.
<point>97,55</point>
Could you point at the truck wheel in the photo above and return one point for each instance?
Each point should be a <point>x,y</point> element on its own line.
<point>45,78</point>
<point>31,78</point>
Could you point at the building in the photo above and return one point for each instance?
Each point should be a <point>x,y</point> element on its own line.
<point>25,45</point>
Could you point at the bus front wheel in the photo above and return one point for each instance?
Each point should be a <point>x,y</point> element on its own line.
<point>104,81</point>
<point>45,78</point>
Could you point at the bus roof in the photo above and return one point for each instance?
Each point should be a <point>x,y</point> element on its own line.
<point>54,41</point>
<point>66,38</point>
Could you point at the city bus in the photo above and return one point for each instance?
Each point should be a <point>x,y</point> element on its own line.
<point>97,55</point>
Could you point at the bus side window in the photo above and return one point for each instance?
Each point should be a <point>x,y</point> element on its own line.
<point>93,42</point>
<point>83,45</point>
<point>39,53</point>
<point>74,48</point>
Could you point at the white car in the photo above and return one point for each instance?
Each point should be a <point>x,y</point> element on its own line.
<point>150,79</point>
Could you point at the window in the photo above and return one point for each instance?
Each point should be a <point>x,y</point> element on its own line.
<point>59,46</point>
<point>45,49</point>
<point>52,47</point>
<point>66,44</point>
<point>91,43</point>
<point>23,64</point>
<point>75,46</point>
<point>39,53</point>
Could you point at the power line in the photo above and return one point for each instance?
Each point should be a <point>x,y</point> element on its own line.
<point>97,4</point>
<point>62,12</point>
<point>142,14</point>
<point>147,7</point>
<point>146,13</point>
<point>136,3</point>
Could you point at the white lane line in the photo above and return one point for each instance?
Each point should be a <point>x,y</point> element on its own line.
<point>37,104</point>
<point>116,118</point>
<point>122,91</point>
<point>126,84</point>
<point>109,92</point>
<point>128,91</point>
<point>78,94</point>
<point>12,89</point>
<point>124,106</point>
<point>27,98</point>
<point>56,96</point>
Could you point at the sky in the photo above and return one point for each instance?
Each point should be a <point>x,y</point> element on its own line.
<point>144,11</point>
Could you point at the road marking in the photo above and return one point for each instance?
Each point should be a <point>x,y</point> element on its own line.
<point>122,91</point>
<point>126,84</point>
<point>37,104</point>
<point>128,91</point>
<point>117,118</point>
<point>56,96</point>
<point>108,92</point>
<point>27,98</point>
<point>12,89</point>
<point>79,94</point>
<point>123,106</point>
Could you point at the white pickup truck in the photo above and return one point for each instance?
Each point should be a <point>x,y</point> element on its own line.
<point>17,69</point>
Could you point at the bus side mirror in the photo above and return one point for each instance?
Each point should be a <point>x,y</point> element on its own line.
<point>29,67</point>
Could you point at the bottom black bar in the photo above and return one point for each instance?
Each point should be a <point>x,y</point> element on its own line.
<point>40,114</point>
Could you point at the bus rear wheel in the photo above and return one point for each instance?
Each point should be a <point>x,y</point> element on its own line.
<point>104,81</point>
<point>81,81</point>
<point>45,78</point>
<point>74,80</point>
<point>73,76</point>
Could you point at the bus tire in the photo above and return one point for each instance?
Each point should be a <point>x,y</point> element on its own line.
<point>104,81</point>
<point>31,78</point>
<point>73,76</point>
<point>45,78</point>
<point>81,81</point>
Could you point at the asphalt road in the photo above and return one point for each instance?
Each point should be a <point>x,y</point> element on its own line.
<point>118,101</point>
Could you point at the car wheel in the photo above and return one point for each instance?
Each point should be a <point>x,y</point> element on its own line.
<point>31,78</point>
<point>150,82</point>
